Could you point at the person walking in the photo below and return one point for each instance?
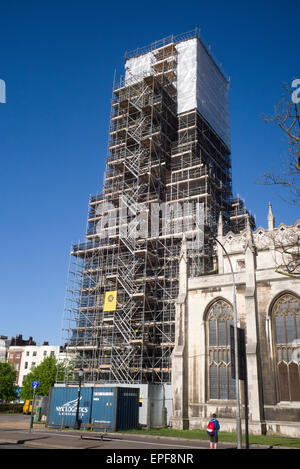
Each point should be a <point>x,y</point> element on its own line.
<point>212,429</point>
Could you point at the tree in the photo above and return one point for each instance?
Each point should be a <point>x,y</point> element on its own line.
<point>287,117</point>
<point>286,244</point>
<point>46,374</point>
<point>7,382</point>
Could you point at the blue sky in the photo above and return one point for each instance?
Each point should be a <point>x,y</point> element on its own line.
<point>58,58</point>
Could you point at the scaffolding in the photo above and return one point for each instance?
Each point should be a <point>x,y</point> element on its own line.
<point>166,174</point>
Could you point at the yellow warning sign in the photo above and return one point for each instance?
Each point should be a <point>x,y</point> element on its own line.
<point>110,302</point>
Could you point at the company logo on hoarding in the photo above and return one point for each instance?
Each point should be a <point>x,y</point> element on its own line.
<point>69,408</point>
<point>296,351</point>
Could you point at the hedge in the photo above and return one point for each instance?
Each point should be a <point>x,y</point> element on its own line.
<point>11,408</point>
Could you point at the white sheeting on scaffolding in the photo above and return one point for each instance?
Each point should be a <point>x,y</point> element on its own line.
<point>212,94</point>
<point>186,75</point>
<point>138,66</point>
<point>200,84</point>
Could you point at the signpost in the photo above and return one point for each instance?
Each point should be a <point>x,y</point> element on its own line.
<point>34,385</point>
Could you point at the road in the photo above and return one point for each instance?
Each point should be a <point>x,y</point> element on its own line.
<point>116,448</point>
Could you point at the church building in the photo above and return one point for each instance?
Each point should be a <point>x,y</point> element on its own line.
<point>268,309</point>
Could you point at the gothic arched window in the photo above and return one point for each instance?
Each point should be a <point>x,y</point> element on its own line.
<point>219,319</point>
<point>286,325</point>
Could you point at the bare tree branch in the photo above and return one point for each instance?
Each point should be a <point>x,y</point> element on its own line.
<point>287,117</point>
<point>286,244</point>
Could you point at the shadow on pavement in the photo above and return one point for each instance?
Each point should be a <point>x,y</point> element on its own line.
<point>21,442</point>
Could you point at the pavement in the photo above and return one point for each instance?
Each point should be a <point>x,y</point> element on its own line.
<point>15,431</point>
<point>73,439</point>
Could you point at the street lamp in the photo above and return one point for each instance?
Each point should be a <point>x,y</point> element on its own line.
<point>77,422</point>
<point>237,388</point>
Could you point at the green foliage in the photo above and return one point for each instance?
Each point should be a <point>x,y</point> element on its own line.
<point>47,373</point>
<point>7,382</point>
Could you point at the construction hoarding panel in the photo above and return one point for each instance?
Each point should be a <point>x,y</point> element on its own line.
<point>116,408</point>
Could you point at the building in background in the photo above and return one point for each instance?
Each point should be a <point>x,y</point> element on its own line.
<point>25,355</point>
<point>3,348</point>
<point>15,348</point>
<point>33,356</point>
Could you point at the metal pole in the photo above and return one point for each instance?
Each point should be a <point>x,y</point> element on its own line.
<point>77,424</point>
<point>237,384</point>
<point>32,408</point>
<point>246,401</point>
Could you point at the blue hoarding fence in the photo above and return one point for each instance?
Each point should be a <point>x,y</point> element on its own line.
<point>63,405</point>
<point>115,407</point>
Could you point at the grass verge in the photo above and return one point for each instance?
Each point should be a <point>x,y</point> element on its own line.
<point>275,440</point>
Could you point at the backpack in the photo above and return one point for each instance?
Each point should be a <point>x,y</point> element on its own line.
<point>210,428</point>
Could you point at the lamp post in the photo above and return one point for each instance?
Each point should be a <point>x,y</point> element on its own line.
<point>237,387</point>
<point>77,422</point>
